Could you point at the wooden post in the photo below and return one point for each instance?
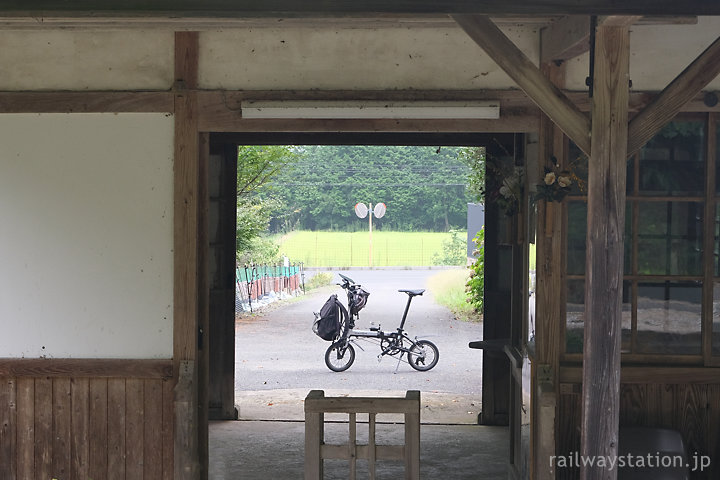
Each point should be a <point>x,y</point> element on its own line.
<point>412,437</point>
<point>604,261</point>
<point>370,212</point>
<point>314,438</point>
<point>188,272</point>
<point>187,465</point>
<point>549,306</point>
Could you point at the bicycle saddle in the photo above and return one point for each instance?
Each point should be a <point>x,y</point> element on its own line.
<point>412,293</point>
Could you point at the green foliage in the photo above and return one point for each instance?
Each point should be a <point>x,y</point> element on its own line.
<point>424,188</point>
<point>454,251</point>
<point>255,203</point>
<point>318,280</point>
<point>258,165</point>
<point>476,284</point>
<point>252,244</point>
<point>474,159</point>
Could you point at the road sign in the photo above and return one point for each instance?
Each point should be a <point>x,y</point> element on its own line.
<point>361,210</point>
<point>379,210</point>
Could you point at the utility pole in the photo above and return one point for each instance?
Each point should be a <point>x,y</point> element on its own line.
<point>361,210</point>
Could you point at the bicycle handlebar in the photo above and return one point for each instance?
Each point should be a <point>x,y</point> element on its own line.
<point>346,279</point>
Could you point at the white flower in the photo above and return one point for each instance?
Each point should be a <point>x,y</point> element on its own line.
<point>505,191</point>
<point>564,181</point>
<point>549,178</point>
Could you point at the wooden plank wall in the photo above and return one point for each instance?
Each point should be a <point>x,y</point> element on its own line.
<point>691,409</point>
<point>84,428</point>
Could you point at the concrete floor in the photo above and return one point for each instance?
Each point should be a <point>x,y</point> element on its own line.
<point>250,450</point>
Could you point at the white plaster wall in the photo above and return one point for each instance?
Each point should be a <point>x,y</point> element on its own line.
<point>86,60</point>
<point>658,54</point>
<point>86,235</point>
<point>329,58</point>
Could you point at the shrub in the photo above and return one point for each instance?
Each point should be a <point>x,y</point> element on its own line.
<point>453,251</point>
<point>475,287</point>
<point>318,280</point>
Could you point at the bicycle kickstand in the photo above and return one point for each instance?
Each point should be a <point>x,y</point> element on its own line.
<point>399,360</point>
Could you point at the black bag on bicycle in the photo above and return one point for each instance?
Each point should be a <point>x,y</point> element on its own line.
<point>330,322</point>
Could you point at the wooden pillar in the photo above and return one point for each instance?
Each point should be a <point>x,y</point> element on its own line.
<point>188,269</point>
<point>496,374</point>
<point>221,336</point>
<point>604,261</point>
<point>549,307</point>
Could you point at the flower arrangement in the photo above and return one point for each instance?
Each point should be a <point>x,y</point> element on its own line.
<point>556,183</point>
<point>505,186</point>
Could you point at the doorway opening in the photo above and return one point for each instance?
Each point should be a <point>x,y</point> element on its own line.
<point>288,382</point>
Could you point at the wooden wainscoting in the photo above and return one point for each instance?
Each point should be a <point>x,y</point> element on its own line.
<point>100,423</point>
<point>693,409</point>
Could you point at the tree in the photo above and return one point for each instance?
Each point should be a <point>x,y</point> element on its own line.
<point>474,158</point>
<point>423,187</point>
<point>257,165</point>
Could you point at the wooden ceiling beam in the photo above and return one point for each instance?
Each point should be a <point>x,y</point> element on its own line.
<point>569,36</point>
<point>549,98</point>
<point>253,8</point>
<point>673,98</point>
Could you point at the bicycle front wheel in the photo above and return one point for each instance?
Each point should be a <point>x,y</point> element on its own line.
<point>339,356</point>
<point>423,355</point>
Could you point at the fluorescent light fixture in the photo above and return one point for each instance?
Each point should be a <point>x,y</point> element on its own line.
<point>370,109</point>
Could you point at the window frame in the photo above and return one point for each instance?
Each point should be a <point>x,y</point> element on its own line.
<point>710,200</point>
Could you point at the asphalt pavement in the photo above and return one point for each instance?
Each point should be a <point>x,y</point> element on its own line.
<point>279,359</point>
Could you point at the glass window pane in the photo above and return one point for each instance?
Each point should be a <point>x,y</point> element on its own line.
<point>575,321</point>
<point>716,319</point>
<point>575,316</point>
<point>716,244</point>
<point>626,339</point>
<point>717,159</point>
<point>669,318</point>
<point>578,168</point>
<point>577,237</point>
<point>670,238</point>
<point>673,162</point>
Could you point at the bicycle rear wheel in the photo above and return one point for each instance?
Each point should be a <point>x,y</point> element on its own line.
<point>339,356</point>
<point>423,355</point>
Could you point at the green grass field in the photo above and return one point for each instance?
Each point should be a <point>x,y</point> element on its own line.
<point>346,249</point>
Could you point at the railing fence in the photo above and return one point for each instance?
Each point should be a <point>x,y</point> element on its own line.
<point>258,285</point>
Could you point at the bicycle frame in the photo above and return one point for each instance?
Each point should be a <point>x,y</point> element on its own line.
<point>394,343</point>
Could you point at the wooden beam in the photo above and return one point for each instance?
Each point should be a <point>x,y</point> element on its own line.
<point>85,367</point>
<point>85,102</point>
<point>547,96</point>
<point>671,100</point>
<point>569,37</point>
<point>604,270</point>
<point>374,21</point>
<point>618,20</point>
<point>225,104</point>
<point>292,8</point>
<point>564,39</point>
<point>653,374</point>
